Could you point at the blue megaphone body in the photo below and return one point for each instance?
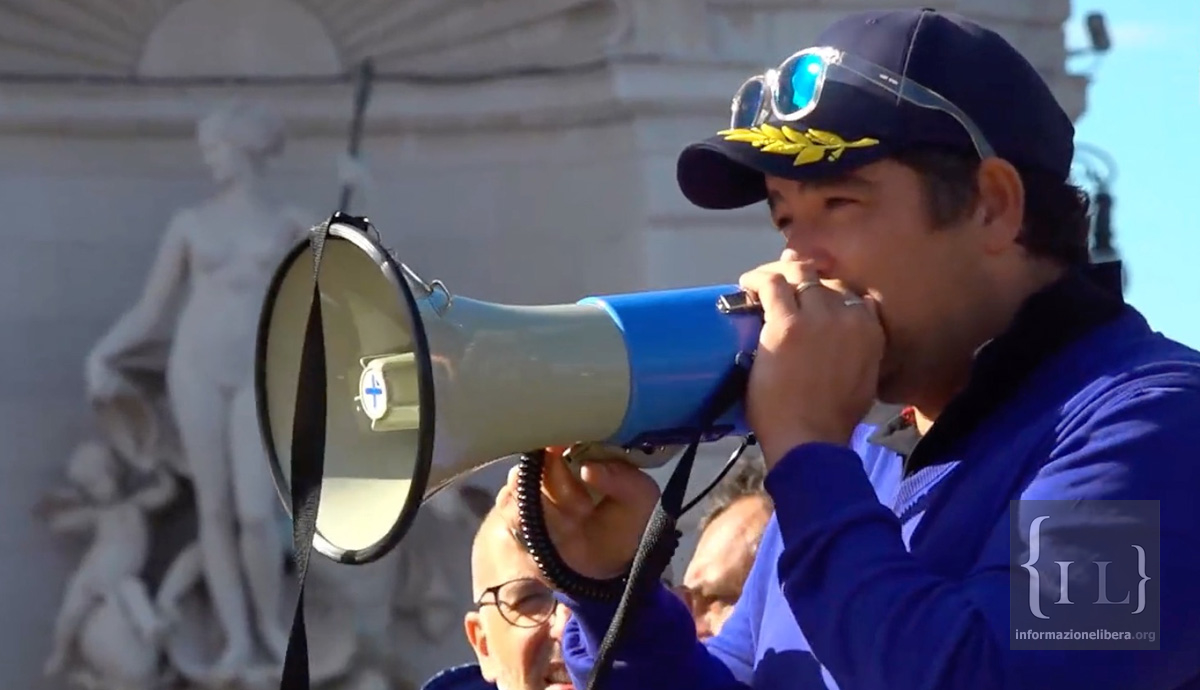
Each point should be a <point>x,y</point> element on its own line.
<point>680,344</point>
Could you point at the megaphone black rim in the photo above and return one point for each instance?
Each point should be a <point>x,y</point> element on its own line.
<point>425,390</point>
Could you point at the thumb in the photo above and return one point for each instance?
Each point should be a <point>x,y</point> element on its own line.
<point>620,480</point>
<point>790,256</point>
<point>871,305</point>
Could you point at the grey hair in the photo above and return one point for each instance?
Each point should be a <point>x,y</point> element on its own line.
<point>745,481</point>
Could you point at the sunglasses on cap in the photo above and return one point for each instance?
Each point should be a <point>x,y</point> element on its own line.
<point>793,90</point>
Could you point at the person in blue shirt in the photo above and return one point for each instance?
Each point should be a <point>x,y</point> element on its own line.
<point>936,256</point>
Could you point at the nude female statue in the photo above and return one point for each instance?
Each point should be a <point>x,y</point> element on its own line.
<point>209,280</point>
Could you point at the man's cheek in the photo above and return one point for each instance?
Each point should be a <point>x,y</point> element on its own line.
<point>720,616</point>
<point>534,648</point>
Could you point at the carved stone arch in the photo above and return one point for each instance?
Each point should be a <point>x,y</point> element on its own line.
<point>239,38</point>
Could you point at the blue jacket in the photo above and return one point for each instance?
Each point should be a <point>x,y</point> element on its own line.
<point>888,568</point>
<point>465,677</point>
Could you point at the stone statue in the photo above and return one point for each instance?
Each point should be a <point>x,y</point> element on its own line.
<point>107,614</point>
<point>183,357</point>
<point>171,386</point>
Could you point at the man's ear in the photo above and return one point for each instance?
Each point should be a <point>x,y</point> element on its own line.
<point>477,638</point>
<point>1001,203</point>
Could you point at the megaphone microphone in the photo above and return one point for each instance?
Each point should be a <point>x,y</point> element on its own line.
<point>424,386</point>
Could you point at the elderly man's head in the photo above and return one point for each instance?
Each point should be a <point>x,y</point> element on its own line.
<point>730,531</point>
<point>516,626</point>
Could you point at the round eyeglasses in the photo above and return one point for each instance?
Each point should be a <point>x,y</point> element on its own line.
<point>523,603</point>
<point>792,90</point>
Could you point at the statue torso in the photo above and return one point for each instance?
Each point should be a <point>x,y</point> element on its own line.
<point>233,250</point>
<point>119,548</point>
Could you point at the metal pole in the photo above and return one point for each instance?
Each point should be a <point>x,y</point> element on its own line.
<point>366,75</point>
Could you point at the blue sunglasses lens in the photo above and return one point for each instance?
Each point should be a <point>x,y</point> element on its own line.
<point>798,82</point>
<point>747,104</point>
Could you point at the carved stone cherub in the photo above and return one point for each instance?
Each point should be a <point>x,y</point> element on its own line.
<point>107,612</point>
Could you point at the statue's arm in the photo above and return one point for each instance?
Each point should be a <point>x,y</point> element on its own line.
<point>163,286</point>
<point>184,572</point>
<point>59,498</point>
<point>74,520</point>
<point>352,173</point>
<point>161,491</point>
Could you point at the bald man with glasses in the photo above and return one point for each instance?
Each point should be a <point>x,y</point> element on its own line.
<point>516,624</point>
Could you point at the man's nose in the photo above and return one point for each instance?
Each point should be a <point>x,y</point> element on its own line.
<point>558,621</point>
<point>704,628</point>
<point>807,250</point>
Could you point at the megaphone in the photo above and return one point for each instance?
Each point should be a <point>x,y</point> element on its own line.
<point>424,386</point>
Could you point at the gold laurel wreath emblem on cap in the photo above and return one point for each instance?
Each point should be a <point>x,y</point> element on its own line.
<point>809,146</point>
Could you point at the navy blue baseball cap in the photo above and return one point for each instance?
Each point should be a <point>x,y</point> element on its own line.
<point>873,84</point>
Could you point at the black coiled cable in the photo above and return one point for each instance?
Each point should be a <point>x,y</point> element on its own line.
<point>536,537</point>
<point>658,543</point>
<point>539,545</point>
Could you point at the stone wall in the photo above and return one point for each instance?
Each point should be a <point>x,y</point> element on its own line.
<point>527,189</point>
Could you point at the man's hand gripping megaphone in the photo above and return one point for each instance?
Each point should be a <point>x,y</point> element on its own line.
<point>595,519</point>
<point>814,378</point>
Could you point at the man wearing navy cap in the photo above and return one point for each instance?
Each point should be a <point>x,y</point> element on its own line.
<point>936,257</point>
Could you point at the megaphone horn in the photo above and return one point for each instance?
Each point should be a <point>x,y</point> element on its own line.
<point>424,386</point>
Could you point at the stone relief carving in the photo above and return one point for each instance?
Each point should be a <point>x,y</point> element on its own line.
<point>661,28</point>
<point>107,610</point>
<point>427,36</point>
<point>460,36</point>
<point>171,388</point>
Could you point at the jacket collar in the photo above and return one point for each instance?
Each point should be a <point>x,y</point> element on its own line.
<point>1081,301</point>
<point>464,677</point>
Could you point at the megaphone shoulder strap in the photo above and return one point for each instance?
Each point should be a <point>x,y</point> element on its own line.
<point>307,462</point>
<point>661,538</point>
<point>309,416</point>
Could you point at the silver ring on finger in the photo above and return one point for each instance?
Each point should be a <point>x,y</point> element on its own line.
<point>804,286</point>
<point>853,302</point>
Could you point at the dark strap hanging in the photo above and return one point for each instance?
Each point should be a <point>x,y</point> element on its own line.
<point>309,416</point>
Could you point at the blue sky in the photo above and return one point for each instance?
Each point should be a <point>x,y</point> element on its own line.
<point>1143,109</point>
